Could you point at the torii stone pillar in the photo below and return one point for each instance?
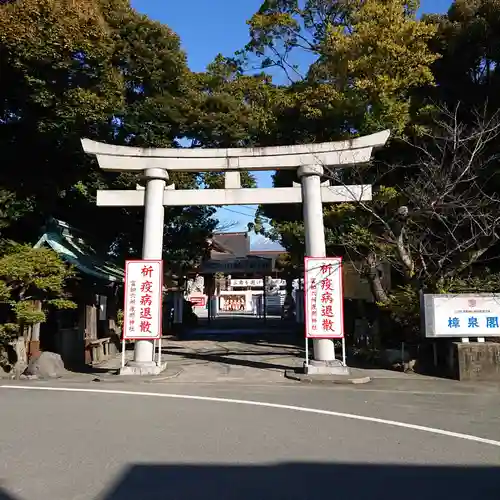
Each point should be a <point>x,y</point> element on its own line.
<point>310,177</point>
<point>307,159</point>
<point>152,248</point>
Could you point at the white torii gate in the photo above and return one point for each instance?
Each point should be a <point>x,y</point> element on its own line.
<point>307,159</point>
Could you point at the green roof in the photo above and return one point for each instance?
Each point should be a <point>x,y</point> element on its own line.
<point>75,251</point>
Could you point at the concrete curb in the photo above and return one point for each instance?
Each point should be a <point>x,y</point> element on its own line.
<point>142,379</point>
<point>165,377</point>
<point>112,377</point>
<point>326,379</point>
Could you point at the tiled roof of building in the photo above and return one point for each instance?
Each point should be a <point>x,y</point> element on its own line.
<point>72,248</point>
<point>238,244</point>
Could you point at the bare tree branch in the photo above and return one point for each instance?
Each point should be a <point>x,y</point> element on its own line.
<point>440,215</point>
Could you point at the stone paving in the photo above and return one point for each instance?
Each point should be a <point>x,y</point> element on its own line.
<point>250,361</point>
<point>228,361</point>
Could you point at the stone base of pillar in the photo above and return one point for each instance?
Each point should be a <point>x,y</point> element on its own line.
<point>141,368</point>
<point>334,367</point>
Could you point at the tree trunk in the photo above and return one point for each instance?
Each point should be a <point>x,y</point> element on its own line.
<point>34,337</point>
<point>376,285</point>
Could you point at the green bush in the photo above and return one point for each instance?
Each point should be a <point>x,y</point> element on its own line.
<point>29,276</point>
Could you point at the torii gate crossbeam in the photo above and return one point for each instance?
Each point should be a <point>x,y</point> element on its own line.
<point>307,159</point>
<point>222,197</point>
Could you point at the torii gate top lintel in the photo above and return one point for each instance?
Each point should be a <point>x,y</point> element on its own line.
<point>129,158</point>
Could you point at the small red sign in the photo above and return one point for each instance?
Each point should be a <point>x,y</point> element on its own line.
<point>197,301</point>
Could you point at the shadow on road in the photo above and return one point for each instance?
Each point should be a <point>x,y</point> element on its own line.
<point>223,358</point>
<point>6,496</point>
<point>294,481</point>
<point>243,325</point>
<point>275,346</point>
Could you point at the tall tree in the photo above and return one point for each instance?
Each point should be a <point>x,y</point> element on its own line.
<point>366,58</point>
<point>228,108</point>
<point>97,69</point>
<point>468,39</point>
<point>57,82</point>
<point>434,214</point>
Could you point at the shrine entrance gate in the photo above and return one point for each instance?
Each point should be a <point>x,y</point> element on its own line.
<point>308,160</point>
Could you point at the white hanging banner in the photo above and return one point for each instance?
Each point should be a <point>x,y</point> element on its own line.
<point>324,305</point>
<point>143,300</point>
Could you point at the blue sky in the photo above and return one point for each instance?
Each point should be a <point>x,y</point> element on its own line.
<point>209,27</point>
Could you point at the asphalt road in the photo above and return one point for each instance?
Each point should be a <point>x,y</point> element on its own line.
<point>159,443</point>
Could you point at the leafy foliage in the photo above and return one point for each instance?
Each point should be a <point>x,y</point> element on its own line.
<point>432,82</point>
<point>365,59</point>
<point>28,275</point>
<point>95,69</point>
<point>468,39</point>
<point>58,82</point>
<point>99,69</point>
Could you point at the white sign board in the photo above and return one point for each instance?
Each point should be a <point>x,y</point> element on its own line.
<point>242,265</point>
<point>249,283</point>
<point>462,315</point>
<point>143,300</point>
<point>323,298</point>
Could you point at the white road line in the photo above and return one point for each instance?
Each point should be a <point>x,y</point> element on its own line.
<point>337,388</point>
<point>303,409</point>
